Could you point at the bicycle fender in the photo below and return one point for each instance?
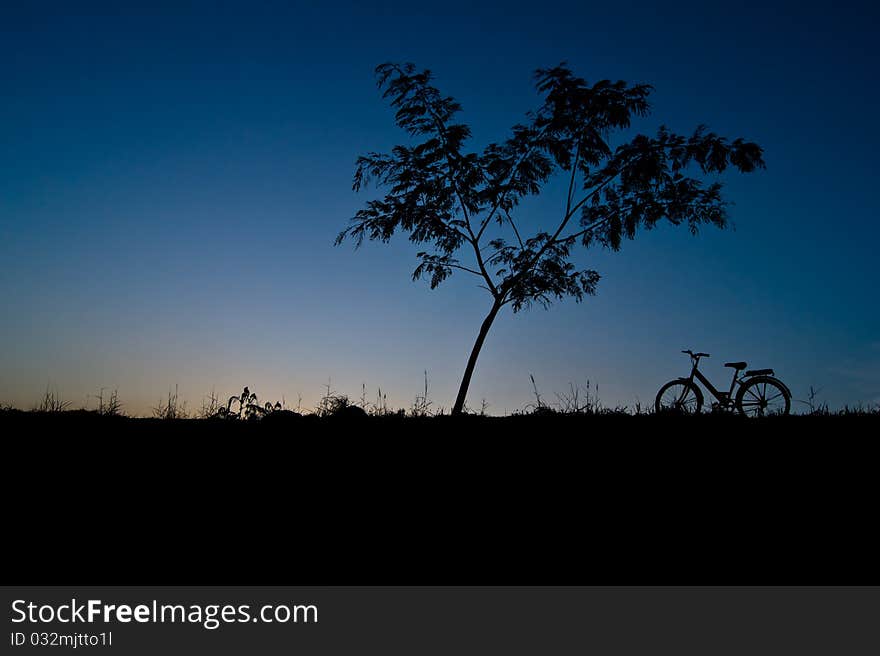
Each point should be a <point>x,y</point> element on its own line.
<point>773,379</point>
<point>768,379</point>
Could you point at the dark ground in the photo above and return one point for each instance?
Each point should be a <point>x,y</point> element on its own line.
<point>546,425</point>
<point>513,500</point>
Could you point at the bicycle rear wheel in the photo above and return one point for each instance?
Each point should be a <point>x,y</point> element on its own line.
<point>763,396</point>
<point>679,397</point>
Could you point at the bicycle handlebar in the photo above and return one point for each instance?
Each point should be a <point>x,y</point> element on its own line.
<point>697,355</point>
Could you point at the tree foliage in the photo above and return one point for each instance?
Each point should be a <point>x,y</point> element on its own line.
<point>448,197</point>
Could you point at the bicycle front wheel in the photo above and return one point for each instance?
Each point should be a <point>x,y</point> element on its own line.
<point>678,397</point>
<point>763,396</point>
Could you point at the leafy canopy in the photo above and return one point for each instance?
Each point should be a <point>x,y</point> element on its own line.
<point>448,197</point>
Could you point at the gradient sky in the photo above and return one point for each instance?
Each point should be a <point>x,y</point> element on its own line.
<point>172,179</point>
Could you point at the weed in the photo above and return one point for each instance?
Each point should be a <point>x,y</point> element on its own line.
<point>171,408</point>
<point>52,402</point>
<point>380,407</point>
<point>210,406</point>
<point>538,405</point>
<point>421,406</point>
<point>579,401</point>
<point>109,407</point>
<point>816,408</point>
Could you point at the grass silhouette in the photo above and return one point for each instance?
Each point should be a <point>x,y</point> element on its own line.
<point>577,413</point>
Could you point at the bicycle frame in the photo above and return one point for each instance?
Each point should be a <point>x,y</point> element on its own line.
<point>724,398</point>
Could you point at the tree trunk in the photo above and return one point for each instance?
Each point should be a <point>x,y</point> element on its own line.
<point>458,408</point>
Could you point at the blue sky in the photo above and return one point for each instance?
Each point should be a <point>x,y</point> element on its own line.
<point>172,178</point>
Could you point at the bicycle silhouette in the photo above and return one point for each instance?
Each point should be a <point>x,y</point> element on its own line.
<point>759,394</point>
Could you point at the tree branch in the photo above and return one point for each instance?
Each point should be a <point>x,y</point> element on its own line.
<point>555,238</point>
<point>464,268</point>
<point>451,169</point>
<point>481,264</point>
<point>577,158</point>
<point>515,231</point>
<point>513,171</point>
<point>590,227</point>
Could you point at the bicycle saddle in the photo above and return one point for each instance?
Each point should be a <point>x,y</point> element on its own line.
<point>739,366</point>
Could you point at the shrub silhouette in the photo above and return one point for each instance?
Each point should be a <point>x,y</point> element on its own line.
<point>246,406</point>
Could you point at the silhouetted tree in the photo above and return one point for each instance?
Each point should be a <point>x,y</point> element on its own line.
<point>464,202</point>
